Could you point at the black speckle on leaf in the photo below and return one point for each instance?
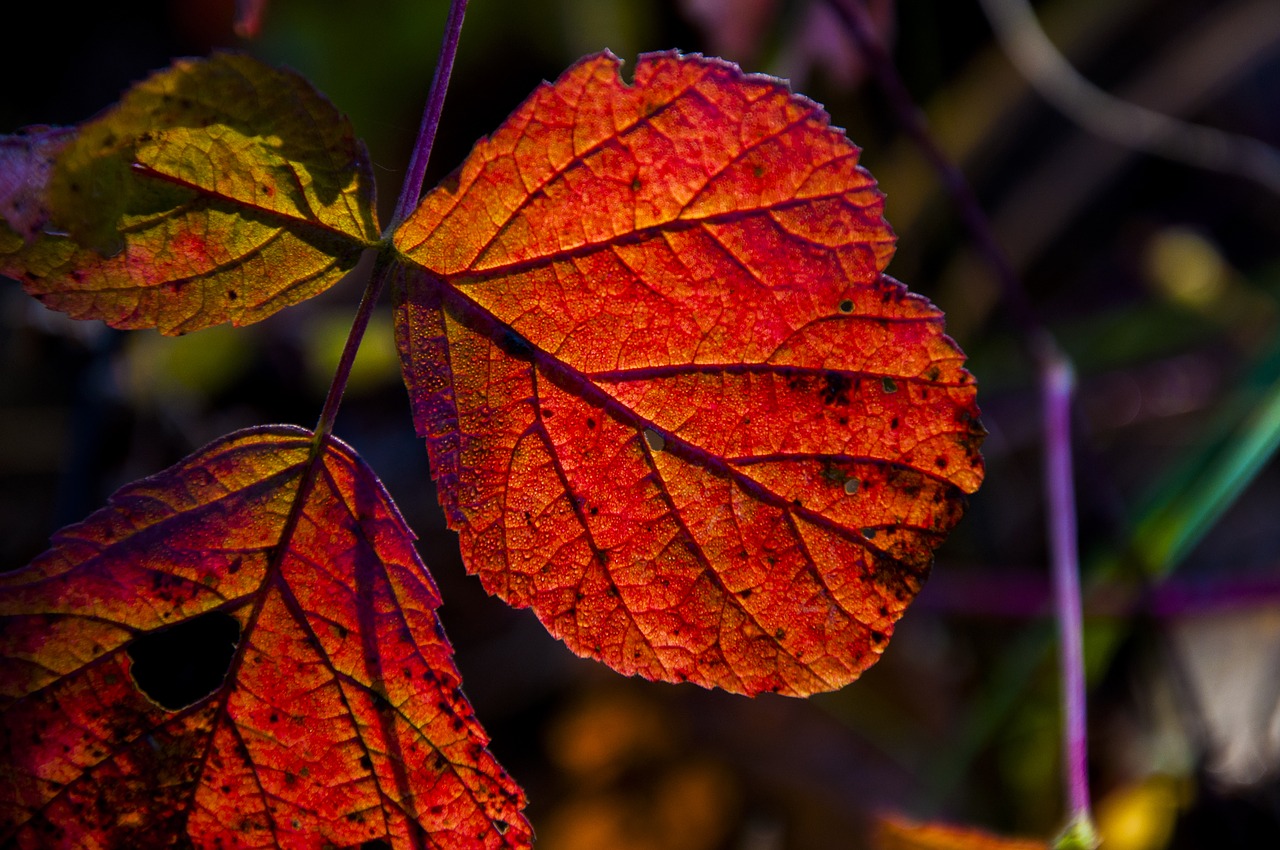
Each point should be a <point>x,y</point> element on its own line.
<point>835,389</point>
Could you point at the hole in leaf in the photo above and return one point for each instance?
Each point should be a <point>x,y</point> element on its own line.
<point>846,306</point>
<point>181,665</point>
<point>654,439</point>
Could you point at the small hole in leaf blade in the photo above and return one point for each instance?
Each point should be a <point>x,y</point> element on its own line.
<point>181,665</point>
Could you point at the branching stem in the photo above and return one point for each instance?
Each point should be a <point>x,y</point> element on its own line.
<point>410,190</point>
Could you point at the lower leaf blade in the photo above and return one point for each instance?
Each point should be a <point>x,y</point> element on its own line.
<point>340,719</point>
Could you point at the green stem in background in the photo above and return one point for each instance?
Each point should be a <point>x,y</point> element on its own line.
<point>1190,502</point>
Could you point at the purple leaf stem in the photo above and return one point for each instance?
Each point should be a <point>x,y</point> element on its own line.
<point>411,189</point>
<point>1057,386</point>
<point>409,192</point>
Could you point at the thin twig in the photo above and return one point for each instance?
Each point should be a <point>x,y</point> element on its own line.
<point>1055,376</point>
<point>1065,560</point>
<point>411,189</point>
<point>861,29</point>
<point>1120,121</point>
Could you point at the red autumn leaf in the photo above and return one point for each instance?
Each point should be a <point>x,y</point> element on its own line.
<point>672,401</point>
<point>339,719</point>
<point>894,833</point>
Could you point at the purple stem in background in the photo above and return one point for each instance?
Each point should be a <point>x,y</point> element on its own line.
<point>411,189</point>
<point>1060,504</point>
<point>1056,381</point>
<point>861,29</point>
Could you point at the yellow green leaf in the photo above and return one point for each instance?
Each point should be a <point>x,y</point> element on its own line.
<point>218,190</point>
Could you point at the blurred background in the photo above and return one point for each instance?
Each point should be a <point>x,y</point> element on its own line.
<point>1161,280</point>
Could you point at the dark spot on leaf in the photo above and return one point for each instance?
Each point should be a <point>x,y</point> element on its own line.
<point>547,413</point>
<point>893,424</point>
<point>591,423</point>
<point>636,184</point>
<point>179,666</point>
<point>889,384</point>
<point>232,295</point>
<point>515,345</point>
<point>780,634</point>
<point>941,462</point>
<point>758,171</point>
<point>877,637</point>
<point>366,762</point>
<point>835,389</point>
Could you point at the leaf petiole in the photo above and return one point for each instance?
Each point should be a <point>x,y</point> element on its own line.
<point>409,192</point>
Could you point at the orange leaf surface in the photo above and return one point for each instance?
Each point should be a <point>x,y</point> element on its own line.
<point>893,833</point>
<point>671,399</point>
<point>218,190</point>
<point>339,719</point>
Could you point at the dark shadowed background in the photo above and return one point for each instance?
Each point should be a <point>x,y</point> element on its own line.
<point>1161,280</point>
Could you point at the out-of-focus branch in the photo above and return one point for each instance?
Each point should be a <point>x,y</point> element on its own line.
<point>1056,379</point>
<point>1120,121</point>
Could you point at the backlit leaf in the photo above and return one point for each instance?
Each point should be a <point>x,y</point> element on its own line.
<point>892,833</point>
<point>338,719</point>
<point>218,190</point>
<point>671,400</point>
